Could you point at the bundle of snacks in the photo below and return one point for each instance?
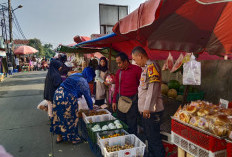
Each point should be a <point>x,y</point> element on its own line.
<point>207,116</point>
<point>114,135</point>
<point>94,113</point>
<point>118,147</point>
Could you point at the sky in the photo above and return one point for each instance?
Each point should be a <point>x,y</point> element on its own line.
<point>58,21</point>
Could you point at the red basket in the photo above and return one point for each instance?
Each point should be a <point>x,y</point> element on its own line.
<point>229,148</point>
<point>201,139</point>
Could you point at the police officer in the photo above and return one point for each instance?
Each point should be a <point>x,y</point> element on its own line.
<point>150,102</point>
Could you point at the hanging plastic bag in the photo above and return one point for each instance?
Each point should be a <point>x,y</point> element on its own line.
<point>192,72</point>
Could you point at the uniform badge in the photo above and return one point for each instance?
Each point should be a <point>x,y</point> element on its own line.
<point>153,74</point>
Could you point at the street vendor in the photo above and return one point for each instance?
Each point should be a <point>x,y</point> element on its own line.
<point>150,103</point>
<point>65,106</point>
<point>126,86</point>
<point>101,72</point>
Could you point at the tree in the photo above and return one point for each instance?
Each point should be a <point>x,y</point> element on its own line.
<point>48,50</point>
<point>36,43</point>
<point>44,50</point>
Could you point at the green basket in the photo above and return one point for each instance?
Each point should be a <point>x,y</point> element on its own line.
<point>93,135</point>
<point>194,96</point>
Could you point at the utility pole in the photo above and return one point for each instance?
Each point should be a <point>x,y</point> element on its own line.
<point>10,31</point>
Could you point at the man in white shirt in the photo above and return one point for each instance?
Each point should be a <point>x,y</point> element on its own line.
<point>17,63</point>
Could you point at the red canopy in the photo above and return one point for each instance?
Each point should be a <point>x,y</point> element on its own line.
<point>79,39</point>
<point>172,31</point>
<point>181,25</point>
<point>187,25</point>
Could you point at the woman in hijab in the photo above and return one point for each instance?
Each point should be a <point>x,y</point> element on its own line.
<point>101,72</point>
<point>65,106</point>
<point>52,82</point>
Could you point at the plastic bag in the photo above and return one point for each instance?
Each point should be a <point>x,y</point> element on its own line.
<point>43,105</point>
<point>82,104</point>
<point>192,72</point>
<point>110,79</point>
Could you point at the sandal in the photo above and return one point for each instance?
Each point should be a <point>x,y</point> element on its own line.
<point>60,141</point>
<point>79,141</point>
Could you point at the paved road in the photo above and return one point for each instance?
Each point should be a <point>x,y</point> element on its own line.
<point>24,130</point>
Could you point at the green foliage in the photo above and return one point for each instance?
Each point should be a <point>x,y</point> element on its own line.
<point>45,50</point>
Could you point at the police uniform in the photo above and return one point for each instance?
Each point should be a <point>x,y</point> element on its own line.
<point>149,98</point>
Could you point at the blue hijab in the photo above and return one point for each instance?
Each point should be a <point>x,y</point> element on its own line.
<point>77,84</point>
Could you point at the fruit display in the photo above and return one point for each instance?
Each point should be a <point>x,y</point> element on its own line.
<point>207,116</point>
<point>164,89</point>
<point>168,65</point>
<point>118,147</point>
<point>178,64</point>
<point>173,84</point>
<point>179,98</point>
<point>172,93</point>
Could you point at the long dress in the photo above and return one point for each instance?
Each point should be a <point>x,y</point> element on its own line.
<point>100,87</point>
<point>65,107</point>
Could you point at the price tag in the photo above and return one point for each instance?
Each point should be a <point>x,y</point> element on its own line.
<point>223,103</point>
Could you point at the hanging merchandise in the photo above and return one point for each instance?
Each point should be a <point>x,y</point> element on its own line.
<point>169,63</point>
<point>192,72</point>
<point>178,64</point>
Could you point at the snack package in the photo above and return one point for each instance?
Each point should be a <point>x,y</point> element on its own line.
<point>110,79</point>
<point>192,72</point>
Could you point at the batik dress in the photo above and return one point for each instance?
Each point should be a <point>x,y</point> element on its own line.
<point>65,108</point>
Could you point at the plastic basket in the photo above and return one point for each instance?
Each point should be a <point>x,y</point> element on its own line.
<point>99,118</point>
<point>194,96</point>
<point>229,148</point>
<point>93,135</point>
<point>99,135</point>
<point>194,149</point>
<point>94,148</point>
<point>84,115</point>
<point>138,150</point>
<point>201,139</point>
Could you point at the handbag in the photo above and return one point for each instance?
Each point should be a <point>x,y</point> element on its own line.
<point>124,103</point>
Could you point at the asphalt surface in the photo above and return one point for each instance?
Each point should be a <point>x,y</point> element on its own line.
<point>24,130</point>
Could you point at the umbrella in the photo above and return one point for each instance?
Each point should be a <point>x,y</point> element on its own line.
<point>23,50</point>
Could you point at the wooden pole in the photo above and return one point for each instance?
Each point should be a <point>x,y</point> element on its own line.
<point>181,152</point>
<point>110,59</point>
<point>185,95</point>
